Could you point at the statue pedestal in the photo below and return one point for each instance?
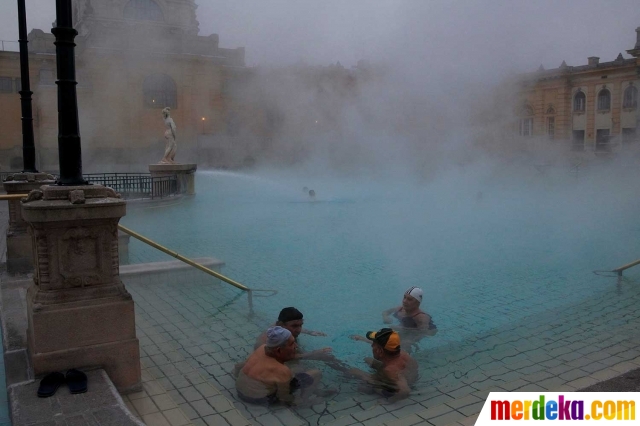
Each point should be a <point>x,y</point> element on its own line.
<point>184,172</point>
<point>78,310</point>
<point>19,249</point>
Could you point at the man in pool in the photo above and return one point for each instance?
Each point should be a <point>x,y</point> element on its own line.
<point>395,370</point>
<point>410,315</point>
<point>265,379</point>
<point>292,319</point>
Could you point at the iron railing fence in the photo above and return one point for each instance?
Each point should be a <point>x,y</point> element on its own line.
<point>129,185</point>
<point>9,46</point>
<point>136,185</point>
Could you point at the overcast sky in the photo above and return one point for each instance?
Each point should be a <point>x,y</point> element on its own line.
<point>471,37</point>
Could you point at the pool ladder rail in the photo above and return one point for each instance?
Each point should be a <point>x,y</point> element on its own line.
<point>618,270</point>
<point>250,291</point>
<point>203,268</point>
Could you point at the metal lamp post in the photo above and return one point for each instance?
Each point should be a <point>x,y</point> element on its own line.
<point>69,149</point>
<point>28,146</point>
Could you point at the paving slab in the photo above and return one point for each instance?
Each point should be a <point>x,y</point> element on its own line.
<point>101,405</point>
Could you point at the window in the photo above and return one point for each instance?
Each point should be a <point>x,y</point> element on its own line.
<point>579,102</point>
<point>46,76</point>
<point>628,135</point>
<point>630,98</point>
<point>577,141</point>
<point>143,10</point>
<point>551,127</point>
<point>604,100</point>
<point>18,85</point>
<point>602,140</point>
<point>526,127</point>
<point>526,122</point>
<point>6,85</point>
<point>160,91</point>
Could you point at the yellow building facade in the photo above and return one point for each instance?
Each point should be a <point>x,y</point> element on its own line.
<point>592,107</point>
<point>133,58</point>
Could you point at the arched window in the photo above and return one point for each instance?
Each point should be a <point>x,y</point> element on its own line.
<point>630,98</point>
<point>160,91</point>
<point>604,100</point>
<point>143,10</point>
<point>579,101</point>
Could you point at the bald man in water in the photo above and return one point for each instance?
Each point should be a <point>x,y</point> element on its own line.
<point>265,379</point>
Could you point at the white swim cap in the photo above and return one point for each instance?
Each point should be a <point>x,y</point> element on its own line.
<point>277,336</point>
<point>415,292</point>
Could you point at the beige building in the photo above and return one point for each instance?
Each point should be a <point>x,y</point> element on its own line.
<point>133,58</point>
<point>592,107</point>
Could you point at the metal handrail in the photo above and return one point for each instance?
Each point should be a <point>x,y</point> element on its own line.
<point>182,258</point>
<point>176,255</point>
<point>627,266</point>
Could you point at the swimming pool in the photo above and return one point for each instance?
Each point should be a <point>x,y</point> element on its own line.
<point>505,263</point>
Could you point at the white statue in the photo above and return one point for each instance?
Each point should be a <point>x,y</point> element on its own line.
<point>170,136</point>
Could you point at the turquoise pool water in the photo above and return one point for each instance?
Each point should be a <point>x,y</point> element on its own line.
<point>521,252</point>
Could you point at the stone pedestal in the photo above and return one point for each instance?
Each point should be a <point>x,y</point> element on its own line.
<point>184,172</point>
<point>19,249</point>
<point>78,311</point>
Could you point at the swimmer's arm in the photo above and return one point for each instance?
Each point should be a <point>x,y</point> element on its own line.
<point>318,354</point>
<point>283,386</point>
<point>403,389</point>
<point>374,363</point>
<point>422,321</point>
<point>359,374</point>
<point>385,315</point>
<point>313,333</point>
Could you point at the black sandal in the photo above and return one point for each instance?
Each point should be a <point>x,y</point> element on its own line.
<point>50,384</point>
<point>77,381</point>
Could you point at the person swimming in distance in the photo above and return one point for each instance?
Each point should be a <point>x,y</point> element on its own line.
<point>312,194</point>
<point>265,379</point>
<point>395,370</point>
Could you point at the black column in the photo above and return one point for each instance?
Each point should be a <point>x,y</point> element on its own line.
<point>69,151</point>
<point>28,146</point>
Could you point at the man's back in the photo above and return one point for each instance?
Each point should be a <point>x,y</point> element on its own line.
<point>404,365</point>
<point>264,368</point>
<point>263,377</point>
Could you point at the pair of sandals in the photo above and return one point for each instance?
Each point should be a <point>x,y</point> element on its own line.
<point>76,380</point>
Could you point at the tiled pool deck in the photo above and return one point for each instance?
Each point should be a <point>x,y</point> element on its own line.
<point>193,330</point>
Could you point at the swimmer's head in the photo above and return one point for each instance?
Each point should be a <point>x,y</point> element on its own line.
<point>415,292</point>
<point>280,344</point>
<point>412,298</point>
<point>312,193</point>
<point>291,319</point>
<point>384,341</point>
<point>277,336</point>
